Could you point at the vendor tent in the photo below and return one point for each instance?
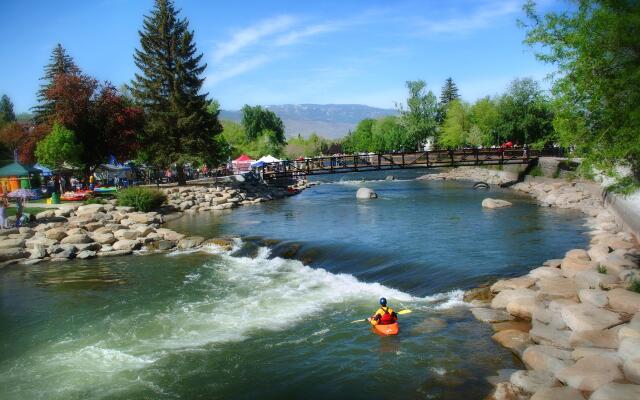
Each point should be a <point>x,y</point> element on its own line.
<point>242,164</point>
<point>269,159</point>
<point>17,169</point>
<point>44,171</point>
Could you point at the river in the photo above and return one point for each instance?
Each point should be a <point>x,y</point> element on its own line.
<point>271,319</point>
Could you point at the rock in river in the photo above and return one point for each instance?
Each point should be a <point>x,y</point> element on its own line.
<point>495,203</point>
<point>366,193</point>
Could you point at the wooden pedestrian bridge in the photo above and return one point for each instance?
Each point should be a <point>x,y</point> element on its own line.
<point>390,161</point>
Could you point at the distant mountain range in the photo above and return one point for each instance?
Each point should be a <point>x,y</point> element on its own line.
<point>327,120</point>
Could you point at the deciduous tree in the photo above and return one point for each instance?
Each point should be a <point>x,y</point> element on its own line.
<point>420,116</point>
<point>58,147</point>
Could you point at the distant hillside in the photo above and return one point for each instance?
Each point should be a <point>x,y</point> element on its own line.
<point>328,120</point>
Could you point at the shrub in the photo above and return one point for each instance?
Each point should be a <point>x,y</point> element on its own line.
<point>95,200</point>
<point>602,269</point>
<point>635,286</point>
<point>624,186</point>
<point>536,171</point>
<point>142,199</point>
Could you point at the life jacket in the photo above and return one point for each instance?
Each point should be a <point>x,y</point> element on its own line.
<point>387,316</point>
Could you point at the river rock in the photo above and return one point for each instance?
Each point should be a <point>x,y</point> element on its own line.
<point>546,358</point>
<point>190,242</point>
<point>495,203</point>
<point>591,372</point>
<point>513,340</point>
<point>616,391</point>
<point>45,215</point>
<point>522,307</point>
<point>86,254</point>
<point>524,326</point>
<point>629,348</point>
<point>577,254</point>
<point>11,243</point>
<point>90,208</point>
<point>549,335</point>
<point>126,234</point>
<point>623,300</point>
<point>13,254</point>
<point>64,254</point>
<point>522,282</point>
<point>580,352</point>
<point>125,244</point>
<point>531,381</point>
<point>38,251</point>
<point>595,297</point>
<point>631,369</point>
<point>508,295</point>
<point>607,339</point>
<point>545,272</point>
<point>104,238</point>
<point>77,238</point>
<point>114,253</point>
<point>616,263</point>
<point>586,317</point>
<point>553,263</point>
<point>365,194</point>
<point>557,288</point>
<point>571,266</point>
<point>93,246</point>
<point>558,393</point>
<point>168,234</point>
<point>594,279</point>
<point>598,252</point>
<point>507,391</point>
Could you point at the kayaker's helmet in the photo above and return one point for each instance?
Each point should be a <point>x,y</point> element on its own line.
<point>383,301</point>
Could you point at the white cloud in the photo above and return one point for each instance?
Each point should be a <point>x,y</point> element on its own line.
<point>293,37</point>
<point>235,69</point>
<point>252,35</point>
<point>478,19</point>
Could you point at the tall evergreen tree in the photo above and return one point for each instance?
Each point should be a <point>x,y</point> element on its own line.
<point>6,111</point>
<point>60,63</point>
<point>178,128</point>
<point>449,92</point>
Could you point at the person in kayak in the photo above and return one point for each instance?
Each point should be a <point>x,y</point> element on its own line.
<point>385,314</point>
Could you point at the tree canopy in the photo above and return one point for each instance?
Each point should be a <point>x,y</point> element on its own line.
<point>596,50</point>
<point>420,117</point>
<point>58,147</point>
<point>179,128</point>
<point>6,111</point>
<point>60,63</point>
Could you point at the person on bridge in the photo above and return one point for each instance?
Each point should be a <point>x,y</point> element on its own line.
<point>385,314</point>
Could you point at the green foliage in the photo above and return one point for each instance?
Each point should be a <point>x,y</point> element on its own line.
<point>179,126</point>
<point>625,186</point>
<point>457,124</point>
<point>420,117</point>
<point>536,171</point>
<point>238,142</point>
<point>635,286</point>
<point>360,139</point>
<point>449,92</point>
<point>6,111</point>
<point>313,146</point>
<point>597,102</point>
<point>94,200</point>
<point>256,121</point>
<point>485,115</point>
<point>59,63</point>
<point>525,113</point>
<point>58,146</point>
<point>602,269</point>
<point>141,198</point>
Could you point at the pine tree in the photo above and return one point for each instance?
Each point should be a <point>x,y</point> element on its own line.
<point>449,92</point>
<point>60,63</point>
<point>6,110</point>
<point>178,128</point>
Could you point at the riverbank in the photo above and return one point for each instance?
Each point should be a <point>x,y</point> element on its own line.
<point>574,322</point>
<point>106,230</point>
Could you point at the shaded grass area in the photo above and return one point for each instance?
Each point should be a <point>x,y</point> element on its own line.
<point>11,211</point>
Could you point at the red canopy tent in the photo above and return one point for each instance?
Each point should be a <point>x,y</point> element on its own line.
<point>242,164</point>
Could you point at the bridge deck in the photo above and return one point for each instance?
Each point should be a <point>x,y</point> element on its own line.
<point>390,161</point>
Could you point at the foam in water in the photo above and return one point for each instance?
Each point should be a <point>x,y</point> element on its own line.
<point>226,299</point>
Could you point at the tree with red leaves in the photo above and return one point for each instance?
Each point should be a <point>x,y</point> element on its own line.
<point>102,120</point>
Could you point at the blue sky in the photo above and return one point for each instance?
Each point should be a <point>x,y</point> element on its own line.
<point>276,52</point>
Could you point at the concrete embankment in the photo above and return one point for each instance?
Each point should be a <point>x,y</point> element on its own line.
<point>574,322</point>
<point>103,230</point>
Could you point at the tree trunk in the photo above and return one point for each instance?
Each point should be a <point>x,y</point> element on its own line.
<point>181,178</point>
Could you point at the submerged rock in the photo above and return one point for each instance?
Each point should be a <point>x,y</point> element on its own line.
<point>366,193</point>
<point>495,203</point>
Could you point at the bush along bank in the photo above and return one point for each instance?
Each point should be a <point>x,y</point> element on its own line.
<point>102,230</point>
<point>574,322</point>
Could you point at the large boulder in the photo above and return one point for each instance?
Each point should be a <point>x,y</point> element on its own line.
<point>490,315</point>
<point>631,370</point>
<point>571,266</point>
<point>624,300</point>
<point>545,272</point>
<point>558,393</point>
<point>11,243</point>
<point>506,296</point>
<point>531,381</point>
<point>365,194</point>
<point>522,282</point>
<point>126,234</point>
<point>595,297</point>
<point>38,251</point>
<point>104,238</point>
<point>125,244</point>
<point>86,254</point>
<point>13,254</point>
<point>546,358</point>
<point>77,238</point>
<point>629,348</point>
<point>594,279</point>
<point>550,335</point>
<point>605,339</point>
<point>513,340</point>
<point>190,242</point>
<point>495,203</point>
<point>557,288</point>
<point>616,391</point>
<point>591,372</point>
<point>586,317</point>
<point>45,215</point>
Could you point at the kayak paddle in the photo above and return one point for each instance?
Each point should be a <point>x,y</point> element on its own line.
<point>401,312</point>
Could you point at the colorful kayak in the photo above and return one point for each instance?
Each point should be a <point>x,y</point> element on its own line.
<point>386,330</point>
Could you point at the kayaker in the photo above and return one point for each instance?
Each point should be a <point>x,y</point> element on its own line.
<point>385,314</point>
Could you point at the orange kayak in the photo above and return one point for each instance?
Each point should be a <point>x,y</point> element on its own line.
<point>386,330</point>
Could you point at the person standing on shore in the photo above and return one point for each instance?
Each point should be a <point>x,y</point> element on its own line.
<point>3,213</point>
<point>385,314</point>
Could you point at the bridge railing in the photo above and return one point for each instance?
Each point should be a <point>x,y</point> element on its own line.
<point>398,160</point>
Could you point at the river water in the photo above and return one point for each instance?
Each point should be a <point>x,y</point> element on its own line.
<point>270,319</point>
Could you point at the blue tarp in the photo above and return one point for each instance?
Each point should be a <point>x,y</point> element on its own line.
<point>44,171</point>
